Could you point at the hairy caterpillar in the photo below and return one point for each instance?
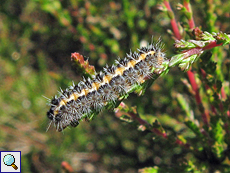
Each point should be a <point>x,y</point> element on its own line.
<point>92,95</point>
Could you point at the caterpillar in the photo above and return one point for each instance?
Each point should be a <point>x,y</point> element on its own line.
<point>92,95</point>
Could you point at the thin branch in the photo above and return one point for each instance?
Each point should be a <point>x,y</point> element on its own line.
<point>190,15</point>
<point>172,20</point>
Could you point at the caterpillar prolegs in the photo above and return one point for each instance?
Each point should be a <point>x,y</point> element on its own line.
<point>90,96</point>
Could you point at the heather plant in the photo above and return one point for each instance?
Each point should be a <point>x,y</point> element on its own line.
<point>208,85</point>
<point>175,122</point>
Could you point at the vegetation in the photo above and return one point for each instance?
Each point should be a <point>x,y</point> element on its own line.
<point>180,124</point>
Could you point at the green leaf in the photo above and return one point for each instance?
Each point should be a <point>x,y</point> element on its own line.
<point>222,38</point>
<point>185,106</point>
<point>149,170</point>
<point>194,128</point>
<point>217,135</point>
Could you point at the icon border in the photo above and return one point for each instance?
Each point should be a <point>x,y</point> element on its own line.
<point>3,163</point>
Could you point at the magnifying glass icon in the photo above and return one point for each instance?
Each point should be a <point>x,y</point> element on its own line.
<point>9,160</point>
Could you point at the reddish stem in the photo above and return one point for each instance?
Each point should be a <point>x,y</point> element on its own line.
<point>155,130</point>
<point>191,76</point>
<point>197,96</point>
<point>194,86</point>
<point>190,20</point>
<point>179,142</point>
<point>198,50</point>
<point>191,51</point>
<point>173,20</point>
<point>211,45</point>
<point>158,132</point>
<point>223,94</point>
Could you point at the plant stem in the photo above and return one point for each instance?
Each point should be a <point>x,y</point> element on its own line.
<point>190,17</point>
<point>155,130</point>
<point>172,20</point>
<point>197,96</point>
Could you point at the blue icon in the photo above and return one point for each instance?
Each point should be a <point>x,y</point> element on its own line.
<point>9,160</point>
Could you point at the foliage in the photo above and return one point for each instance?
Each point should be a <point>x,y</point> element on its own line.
<point>181,124</point>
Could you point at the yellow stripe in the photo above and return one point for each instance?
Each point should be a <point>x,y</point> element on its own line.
<point>131,63</point>
<point>75,95</point>
<point>142,57</point>
<point>106,79</point>
<point>96,85</point>
<point>120,70</point>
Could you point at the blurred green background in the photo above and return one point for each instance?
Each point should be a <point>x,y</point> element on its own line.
<point>37,38</point>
